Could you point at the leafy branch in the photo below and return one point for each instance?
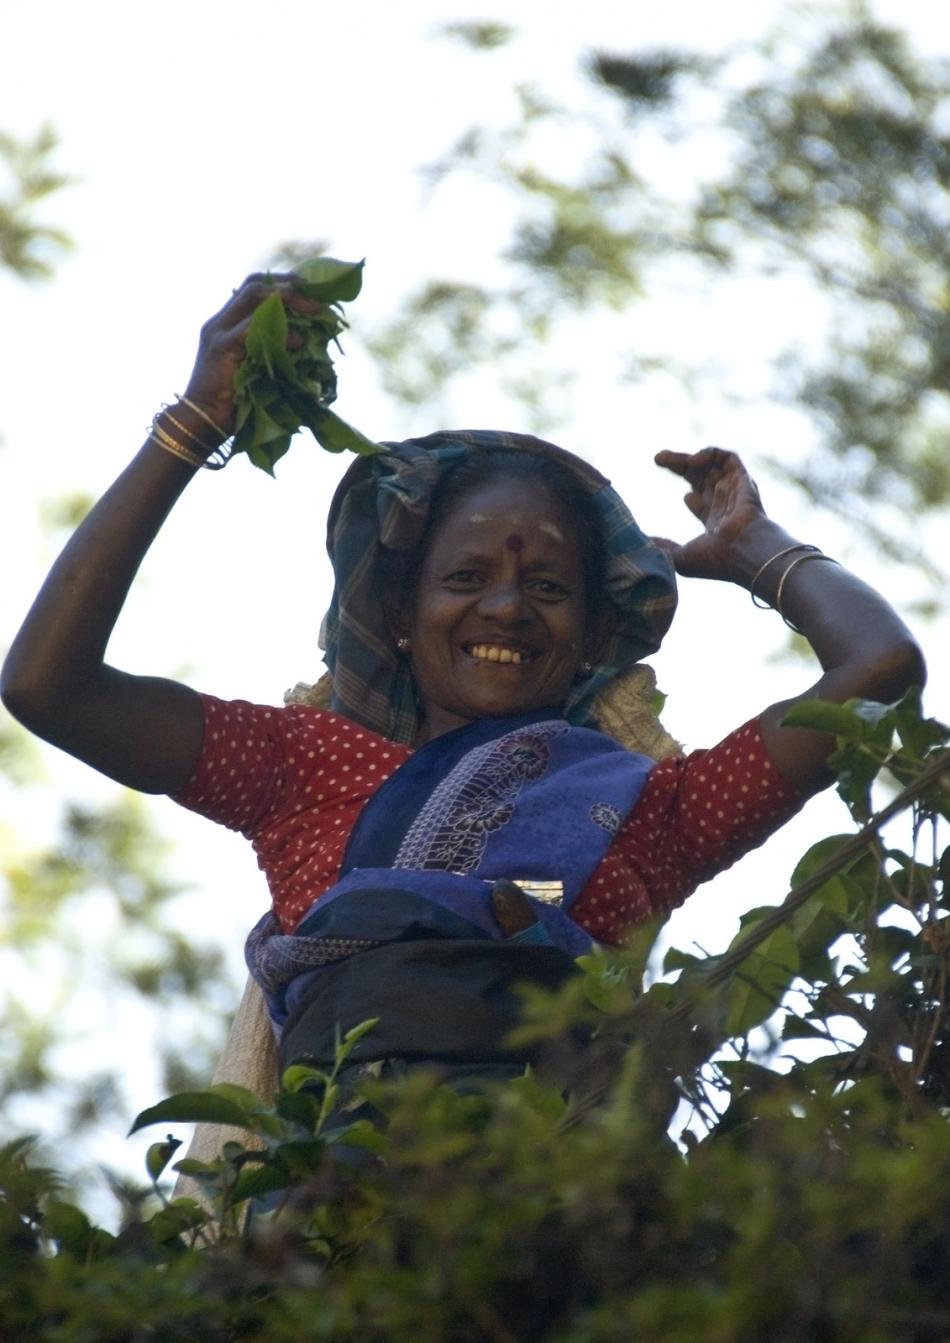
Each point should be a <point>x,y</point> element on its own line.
<point>287,380</point>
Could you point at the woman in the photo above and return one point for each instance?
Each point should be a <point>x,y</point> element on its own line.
<point>450,826</point>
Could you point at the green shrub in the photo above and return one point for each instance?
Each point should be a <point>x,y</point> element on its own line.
<point>808,1197</point>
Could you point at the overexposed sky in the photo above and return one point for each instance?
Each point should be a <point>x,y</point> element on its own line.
<point>200,135</point>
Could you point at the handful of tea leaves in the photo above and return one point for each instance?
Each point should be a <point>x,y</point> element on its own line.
<point>277,390</point>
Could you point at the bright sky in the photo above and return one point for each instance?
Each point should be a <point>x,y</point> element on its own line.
<point>201,135</point>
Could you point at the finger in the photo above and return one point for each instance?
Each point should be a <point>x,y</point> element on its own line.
<point>664,543</point>
<point>697,467</point>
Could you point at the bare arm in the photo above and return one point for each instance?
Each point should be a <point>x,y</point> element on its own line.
<point>864,648</point>
<point>143,731</point>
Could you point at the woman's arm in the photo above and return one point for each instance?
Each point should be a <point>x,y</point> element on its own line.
<point>144,731</point>
<point>864,648</point>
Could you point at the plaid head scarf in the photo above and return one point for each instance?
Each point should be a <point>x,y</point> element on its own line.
<point>382,503</point>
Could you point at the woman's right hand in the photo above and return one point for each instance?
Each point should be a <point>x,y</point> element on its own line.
<point>144,731</point>
<point>221,345</point>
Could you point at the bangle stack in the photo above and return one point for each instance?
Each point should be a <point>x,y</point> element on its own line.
<point>211,456</point>
<point>810,553</point>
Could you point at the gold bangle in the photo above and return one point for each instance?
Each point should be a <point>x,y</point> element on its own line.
<point>183,428</point>
<point>779,554</point>
<point>158,436</point>
<point>204,415</point>
<point>815,555</point>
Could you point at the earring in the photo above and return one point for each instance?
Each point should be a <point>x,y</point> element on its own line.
<point>402,643</point>
<point>587,667</point>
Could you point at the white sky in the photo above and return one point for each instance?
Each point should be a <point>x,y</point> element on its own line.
<point>202,135</point>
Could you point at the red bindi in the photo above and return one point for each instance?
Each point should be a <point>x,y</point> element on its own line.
<point>514,542</point>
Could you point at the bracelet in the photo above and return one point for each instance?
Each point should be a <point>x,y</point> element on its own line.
<point>204,415</point>
<point>758,602</point>
<point>166,410</point>
<point>161,439</point>
<point>221,455</point>
<point>815,554</point>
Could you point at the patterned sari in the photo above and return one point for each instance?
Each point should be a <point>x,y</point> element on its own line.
<point>411,931</point>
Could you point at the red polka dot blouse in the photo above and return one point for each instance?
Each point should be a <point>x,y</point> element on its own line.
<point>293,781</point>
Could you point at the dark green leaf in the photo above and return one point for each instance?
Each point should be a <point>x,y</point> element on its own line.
<point>362,1133</point>
<point>761,981</point>
<point>335,435</point>
<point>299,1107</point>
<point>298,1075</point>
<point>266,339</point>
<point>193,1107</point>
<point>299,1158</point>
<point>254,1181</point>
<point>277,389</point>
<point>159,1154</point>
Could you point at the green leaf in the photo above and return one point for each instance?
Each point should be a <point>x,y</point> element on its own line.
<point>299,1158</point>
<point>676,959</point>
<point>335,435</point>
<point>361,1133</point>
<point>356,1033</point>
<point>640,943</point>
<point>159,1154</point>
<point>300,1108</point>
<point>298,1076</point>
<point>278,389</point>
<point>761,981</point>
<point>247,1099</point>
<point>69,1225</point>
<point>840,720</point>
<point>346,1045</point>
<point>323,277</point>
<point>266,338</point>
<point>173,1221</point>
<point>546,1100</point>
<point>202,1171</point>
<point>825,851</point>
<point>254,1181</point>
<point>193,1107</point>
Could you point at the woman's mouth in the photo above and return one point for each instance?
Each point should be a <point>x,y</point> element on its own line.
<point>486,652</point>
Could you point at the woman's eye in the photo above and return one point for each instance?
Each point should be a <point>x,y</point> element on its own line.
<point>463,578</point>
<point>548,587</point>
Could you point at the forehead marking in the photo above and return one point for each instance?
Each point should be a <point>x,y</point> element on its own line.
<point>514,542</point>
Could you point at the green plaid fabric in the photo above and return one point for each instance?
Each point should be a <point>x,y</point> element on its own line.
<point>383,502</point>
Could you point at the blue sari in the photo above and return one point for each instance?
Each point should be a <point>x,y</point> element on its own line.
<point>410,931</point>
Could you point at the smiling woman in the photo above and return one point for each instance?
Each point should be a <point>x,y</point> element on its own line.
<point>453,822</point>
<point>497,628</point>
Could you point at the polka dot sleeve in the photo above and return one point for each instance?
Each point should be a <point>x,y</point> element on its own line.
<point>293,780</point>
<point>697,815</point>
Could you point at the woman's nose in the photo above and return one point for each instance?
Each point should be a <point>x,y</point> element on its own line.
<point>504,601</point>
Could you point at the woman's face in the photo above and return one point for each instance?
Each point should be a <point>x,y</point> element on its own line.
<point>498,616</point>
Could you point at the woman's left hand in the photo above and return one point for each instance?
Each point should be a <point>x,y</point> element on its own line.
<point>726,500</point>
<point>864,648</point>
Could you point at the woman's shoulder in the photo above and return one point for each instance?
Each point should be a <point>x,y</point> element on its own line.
<point>289,720</point>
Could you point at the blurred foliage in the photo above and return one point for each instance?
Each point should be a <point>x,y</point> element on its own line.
<point>89,911</point>
<point>808,1199</point>
<point>86,909</point>
<point>820,151</point>
<point>481,35</point>
<point>28,248</point>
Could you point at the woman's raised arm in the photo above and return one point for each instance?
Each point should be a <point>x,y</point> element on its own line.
<point>143,731</point>
<point>864,647</point>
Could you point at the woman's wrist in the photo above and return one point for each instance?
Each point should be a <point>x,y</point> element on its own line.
<point>759,557</point>
<point>185,431</point>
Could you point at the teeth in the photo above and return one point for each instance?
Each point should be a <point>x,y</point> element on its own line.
<point>492,653</point>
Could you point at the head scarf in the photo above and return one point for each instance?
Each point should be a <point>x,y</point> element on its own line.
<point>383,503</point>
